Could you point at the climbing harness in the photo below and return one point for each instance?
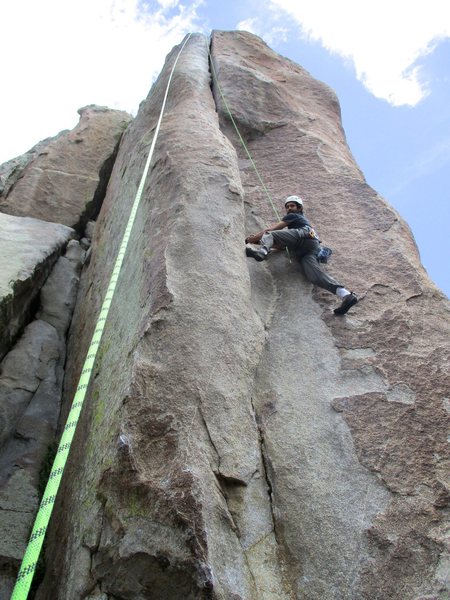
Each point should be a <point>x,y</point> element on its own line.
<point>32,552</point>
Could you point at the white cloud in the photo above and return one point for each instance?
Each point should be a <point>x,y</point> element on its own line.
<point>384,39</point>
<point>64,55</point>
<point>250,25</point>
<point>168,3</point>
<point>267,29</point>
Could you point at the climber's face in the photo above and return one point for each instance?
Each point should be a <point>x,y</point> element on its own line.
<point>292,207</point>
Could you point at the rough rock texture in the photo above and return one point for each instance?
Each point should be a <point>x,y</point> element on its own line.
<point>238,440</point>
<point>178,438</point>
<point>60,179</point>
<point>64,179</point>
<point>29,249</point>
<point>372,497</point>
<point>12,170</point>
<point>31,379</point>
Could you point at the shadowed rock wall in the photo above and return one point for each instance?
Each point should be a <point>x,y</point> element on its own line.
<point>41,264</point>
<point>238,439</point>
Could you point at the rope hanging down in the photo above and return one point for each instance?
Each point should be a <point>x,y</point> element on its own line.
<point>32,552</point>
<point>216,79</point>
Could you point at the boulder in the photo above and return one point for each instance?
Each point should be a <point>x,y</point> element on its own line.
<point>64,180</point>
<point>12,170</point>
<point>31,377</point>
<point>29,249</point>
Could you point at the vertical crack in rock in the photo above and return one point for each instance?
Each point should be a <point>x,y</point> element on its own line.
<point>93,207</point>
<point>215,469</point>
<point>266,470</point>
<point>267,479</point>
<point>249,500</point>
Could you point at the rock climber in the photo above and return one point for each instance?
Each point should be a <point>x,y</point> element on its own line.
<point>295,233</point>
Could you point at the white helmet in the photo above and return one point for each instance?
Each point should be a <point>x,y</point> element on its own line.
<point>295,199</point>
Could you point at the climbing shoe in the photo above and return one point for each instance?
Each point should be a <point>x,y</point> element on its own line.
<point>258,255</point>
<point>347,302</point>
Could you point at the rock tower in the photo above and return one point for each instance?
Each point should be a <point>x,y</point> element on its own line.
<point>238,440</point>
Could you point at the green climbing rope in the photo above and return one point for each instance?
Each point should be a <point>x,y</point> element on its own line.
<point>32,552</point>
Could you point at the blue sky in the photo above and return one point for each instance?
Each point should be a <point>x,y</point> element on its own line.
<point>389,63</point>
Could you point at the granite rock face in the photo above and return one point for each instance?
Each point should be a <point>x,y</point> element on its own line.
<point>31,379</point>
<point>361,493</point>
<point>238,440</point>
<point>29,250</point>
<point>64,179</point>
<point>12,170</point>
<point>41,265</point>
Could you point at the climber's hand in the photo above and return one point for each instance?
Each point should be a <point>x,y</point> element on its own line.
<point>252,239</point>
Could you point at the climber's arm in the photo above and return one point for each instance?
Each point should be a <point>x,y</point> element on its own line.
<point>253,239</point>
<point>279,225</point>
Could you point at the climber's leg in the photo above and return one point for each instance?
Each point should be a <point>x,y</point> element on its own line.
<point>314,274</point>
<point>284,238</point>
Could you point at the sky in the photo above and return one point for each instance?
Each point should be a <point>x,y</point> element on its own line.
<point>387,60</point>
